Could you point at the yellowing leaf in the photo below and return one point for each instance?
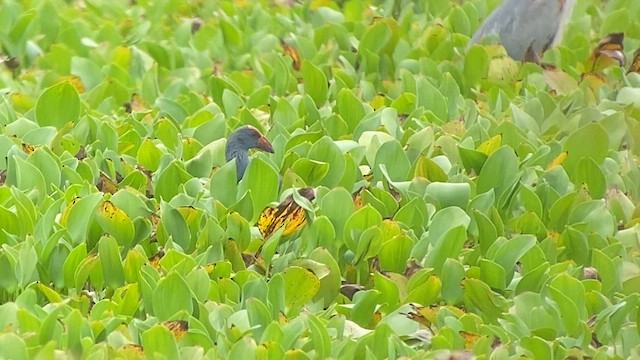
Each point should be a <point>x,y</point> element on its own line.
<point>65,213</point>
<point>635,63</point>
<point>132,351</point>
<point>28,148</point>
<point>135,104</point>
<point>429,169</point>
<point>106,185</point>
<point>377,102</point>
<point>559,81</point>
<point>608,51</point>
<point>177,327</point>
<point>357,198</point>
<point>73,80</point>
<point>154,260</point>
<point>315,4</point>
<point>454,127</point>
<point>491,145</point>
<point>470,338</point>
<point>121,56</point>
<point>423,315</point>
<point>288,214</point>
<point>116,222</point>
<point>557,160</point>
<point>21,100</point>
<point>293,53</point>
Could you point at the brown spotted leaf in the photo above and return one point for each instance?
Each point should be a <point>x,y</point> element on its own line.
<point>177,327</point>
<point>154,260</point>
<point>288,214</point>
<point>28,148</point>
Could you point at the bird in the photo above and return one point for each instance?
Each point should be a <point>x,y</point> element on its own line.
<point>526,28</point>
<point>238,144</point>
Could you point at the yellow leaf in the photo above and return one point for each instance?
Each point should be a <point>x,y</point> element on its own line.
<point>315,4</point>
<point>557,160</point>
<point>491,145</point>
<point>121,56</point>
<point>377,102</point>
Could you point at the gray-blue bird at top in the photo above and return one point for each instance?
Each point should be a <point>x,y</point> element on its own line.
<point>238,144</point>
<point>526,28</point>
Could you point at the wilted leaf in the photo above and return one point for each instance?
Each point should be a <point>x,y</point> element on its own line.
<point>177,327</point>
<point>288,214</point>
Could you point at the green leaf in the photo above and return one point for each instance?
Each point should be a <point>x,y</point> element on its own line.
<point>364,304</point>
<point>319,337</point>
<point>326,151</point>
<point>149,155</point>
<point>170,179</point>
<point>479,298</point>
<point>115,222</point>
<point>111,262</point>
<point>159,341</point>
<point>80,213</point>
<point>358,222</point>
<point>13,347</point>
<point>262,180</point>
<point>171,296</point>
<point>504,162</point>
<point>375,37</point>
<point>393,254</point>
<point>476,65</point>
<point>588,172</point>
<point>389,293</point>
<point>350,108</point>
<point>300,286</point>
<point>329,284</point>
<point>315,83</point>
<point>567,308</point>
<point>508,255</point>
<point>448,246</point>
<point>223,184</point>
<point>58,105</point>
<point>589,141</point>
<point>449,194</point>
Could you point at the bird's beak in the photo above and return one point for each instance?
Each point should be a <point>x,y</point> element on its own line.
<point>264,145</point>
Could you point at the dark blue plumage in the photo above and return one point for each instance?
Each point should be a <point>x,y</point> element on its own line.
<point>238,144</point>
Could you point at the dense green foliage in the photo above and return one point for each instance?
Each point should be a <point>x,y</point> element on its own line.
<point>464,201</point>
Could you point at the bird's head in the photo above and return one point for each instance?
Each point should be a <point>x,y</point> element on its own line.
<point>240,141</point>
<point>248,137</point>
